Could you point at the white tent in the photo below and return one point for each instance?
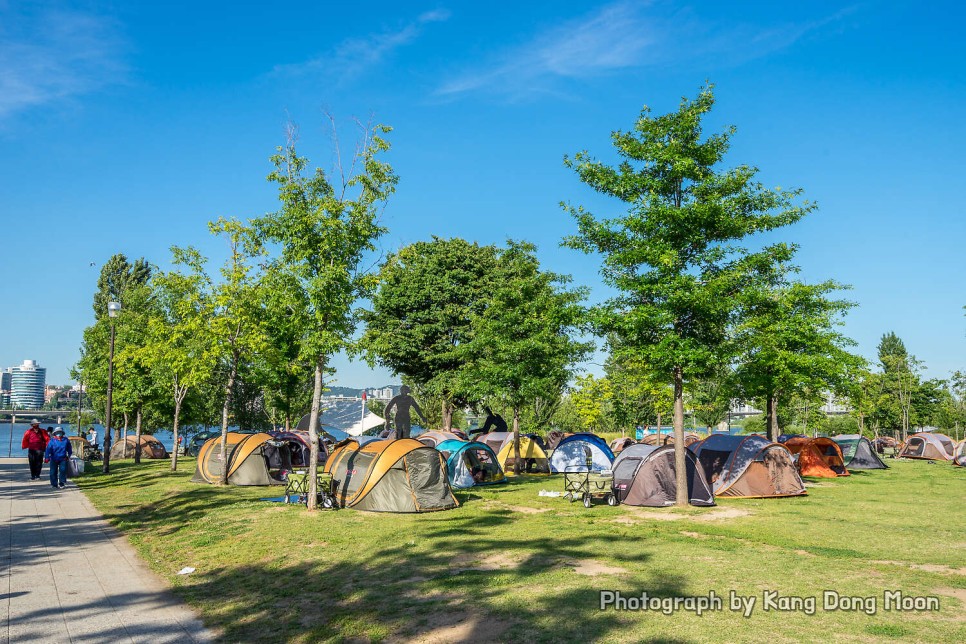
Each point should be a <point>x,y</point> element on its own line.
<point>365,424</point>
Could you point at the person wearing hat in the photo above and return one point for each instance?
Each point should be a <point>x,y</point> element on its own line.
<point>35,441</point>
<point>58,453</point>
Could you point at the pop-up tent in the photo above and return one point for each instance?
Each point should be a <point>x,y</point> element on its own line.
<point>390,476</point>
<point>434,438</point>
<point>253,459</point>
<point>495,440</point>
<point>748,466</point>
<point>298,446</point>
<point>619,444</point>
<point>533,457</point>
<point>668,439</point>
<point>929,445</point>
<point>151,447</point>
<point>645,475</point>
<point>470,463</point>
<point>571,454</point>
<point>858,452</point>
<point>817,457</point>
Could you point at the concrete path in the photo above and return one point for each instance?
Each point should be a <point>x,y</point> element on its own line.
<point>67,576</point>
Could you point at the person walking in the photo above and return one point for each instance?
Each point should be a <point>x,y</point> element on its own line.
<point>58,453</point>
<point>35,442</point>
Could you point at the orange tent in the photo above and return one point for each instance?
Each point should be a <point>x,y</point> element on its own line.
<point>818,457</point>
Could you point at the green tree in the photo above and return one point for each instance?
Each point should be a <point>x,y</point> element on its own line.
<point>181,348</point>
<point>900,375</point>
<point>711,396</point>
<point>324,230</point>
<point>674,257</point>
<point>593,399</point>
<point>522,347</point>
<point>420,316</point>
<point>236,323</point>
<point>792,346</point>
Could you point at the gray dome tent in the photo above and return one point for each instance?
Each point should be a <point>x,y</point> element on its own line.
<point>858,454</point>
<point>644,475</point>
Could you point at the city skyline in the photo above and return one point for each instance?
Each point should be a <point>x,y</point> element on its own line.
<point>114,141</point>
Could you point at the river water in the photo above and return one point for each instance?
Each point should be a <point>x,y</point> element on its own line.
<point>10,442</point>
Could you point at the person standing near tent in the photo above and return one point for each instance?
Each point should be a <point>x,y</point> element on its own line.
<point>35,442</point>
<point>492,423</point>
<point>92,437</point>
<point>401,418</point>
<point>57,454</point>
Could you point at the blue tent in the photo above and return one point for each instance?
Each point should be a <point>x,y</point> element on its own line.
<point>570,454</point>
<point>470,463</point>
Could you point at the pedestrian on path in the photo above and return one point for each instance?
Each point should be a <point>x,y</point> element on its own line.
<point>58,453</point>
<point>35,442</point>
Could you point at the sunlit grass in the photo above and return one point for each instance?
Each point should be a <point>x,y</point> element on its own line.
<point>510,565</point>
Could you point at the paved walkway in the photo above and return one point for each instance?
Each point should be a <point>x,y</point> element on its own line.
<point>67,576</point>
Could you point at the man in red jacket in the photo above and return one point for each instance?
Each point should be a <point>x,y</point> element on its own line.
<point>35,442</point>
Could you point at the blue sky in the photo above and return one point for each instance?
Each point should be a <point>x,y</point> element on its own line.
<point>125,127</point>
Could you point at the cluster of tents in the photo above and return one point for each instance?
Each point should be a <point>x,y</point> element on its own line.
<point>419,475</point>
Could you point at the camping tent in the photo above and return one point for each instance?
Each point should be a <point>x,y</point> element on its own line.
<point>817,457</point>
<point>748,466</point>
<point>668,439</point>
<point>858,452</point>
<point>390,476</point>
<point>495,440</point>
<point>571,454</point>
<point>252,459</point>
<point>959,456</point>
<point>470,463</point>
<point>929,445</point>
<point>619,444</point>
<point>434,438</point>
<point>151,447</point>
<point>532,454</point>
<point>645,475</point>
<point>299,448</point>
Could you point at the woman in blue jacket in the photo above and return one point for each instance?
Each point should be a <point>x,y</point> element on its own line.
<point>57,454</point>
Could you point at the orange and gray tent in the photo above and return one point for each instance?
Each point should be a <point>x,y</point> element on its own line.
<point>390,476</point>
<point>858,452</point>
<point>644,475</point>
<point>534,458</point>
<point>434,438</point>
<point>929,445</point>
<point>748,466</point>
<point>151,447</point>
<point>252,460</point>
<point>817,457</point>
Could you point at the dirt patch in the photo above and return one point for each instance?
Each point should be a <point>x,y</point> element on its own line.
<point>592,567</point>
<point>715,514</point>
<point>957,593</point>
<point>456,627</point>
<point>497,561</point>
<point>694,535</point>
<point>945,570</point>
<point>524,509</point>
<point>721,514</point>
<point>803,553</point>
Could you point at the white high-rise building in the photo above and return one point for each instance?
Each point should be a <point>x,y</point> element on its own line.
<point>27,383</point>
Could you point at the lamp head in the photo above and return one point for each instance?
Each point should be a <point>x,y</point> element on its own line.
<point>113,308</point>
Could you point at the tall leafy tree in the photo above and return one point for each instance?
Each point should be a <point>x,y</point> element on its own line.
<point>674,256</point>
<point>900,375</point>
<point>236,324</point>
<point>792,345</point>
<point>711,396</point>
<point>522,346</point>
<point>182,350</point>
<point>324,229</point>
<point>420,316</point>
<point>593,399</point>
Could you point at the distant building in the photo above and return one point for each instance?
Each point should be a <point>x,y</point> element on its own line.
<point>384,393</point>
<point>5,376</point>
<point>27,384</point>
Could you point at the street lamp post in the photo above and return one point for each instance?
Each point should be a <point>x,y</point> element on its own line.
<point>113,308</point>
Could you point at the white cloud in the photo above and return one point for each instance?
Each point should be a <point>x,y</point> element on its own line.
<point>55,55</point>
<point>354,56</point>
<point>620,36</point>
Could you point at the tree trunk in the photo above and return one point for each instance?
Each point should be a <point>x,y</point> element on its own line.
<point>659,425</point>
<point>516,440</point>
<point>224,421</point>
<point>680,466</point>
<point>137,437</point>
<point>447,416</point>
<point>174,433</point>
<point>771,411</point>
<point>288,424</point>
<point>312,501</point>
<point>124,436</point>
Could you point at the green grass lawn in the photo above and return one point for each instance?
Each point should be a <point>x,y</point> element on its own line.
<point>510,565</point>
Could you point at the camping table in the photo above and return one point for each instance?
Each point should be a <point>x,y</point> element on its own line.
<point>297,485</point>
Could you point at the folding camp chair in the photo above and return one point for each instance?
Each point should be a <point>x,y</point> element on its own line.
<point>297,488</point>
